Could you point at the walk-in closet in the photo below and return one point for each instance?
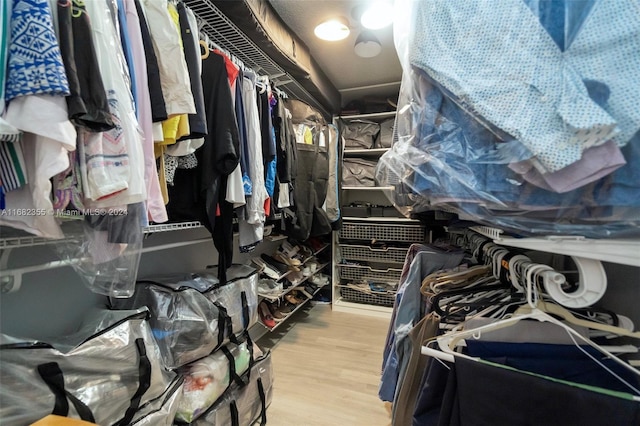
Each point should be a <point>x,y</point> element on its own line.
<point>319,213</point>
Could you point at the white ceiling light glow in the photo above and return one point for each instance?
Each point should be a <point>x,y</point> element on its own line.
<point>332,30</point>
<point>377,16</point>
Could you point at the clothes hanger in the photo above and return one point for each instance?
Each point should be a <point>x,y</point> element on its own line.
<point>448,342</point>
<point>205,54</point>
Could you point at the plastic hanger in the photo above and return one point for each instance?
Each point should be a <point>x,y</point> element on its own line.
<point>554,309</point>
<point>535,309</point>
<point>449,341</point>
<point>206,52</point>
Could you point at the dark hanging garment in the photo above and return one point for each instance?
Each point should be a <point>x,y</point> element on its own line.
<point>197,121</point>
<point>158,107</point>
<point>87,103</point>
<point>197,193</point>
<point>526,399</point>
<point>285,143</point>
<point>242,131</point>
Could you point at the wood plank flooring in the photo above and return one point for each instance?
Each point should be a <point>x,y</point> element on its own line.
<point>327,370</point>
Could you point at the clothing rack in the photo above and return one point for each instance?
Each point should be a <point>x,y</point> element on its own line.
<point>592,281</point>
<point>236,60</point>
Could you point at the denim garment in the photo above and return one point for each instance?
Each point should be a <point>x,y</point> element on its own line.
<point>513,74</point>
<point>409,311</point>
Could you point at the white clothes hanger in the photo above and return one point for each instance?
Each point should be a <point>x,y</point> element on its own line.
<point>448,342</point>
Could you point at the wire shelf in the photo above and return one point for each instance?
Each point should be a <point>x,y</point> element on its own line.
<point>383,232</point>
<point>367,273</point>
<point>223,32</point>
<point>368,254</point>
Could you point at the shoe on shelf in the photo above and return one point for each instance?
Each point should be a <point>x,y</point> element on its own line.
<point>265,268</point>
<point>295,277</point>
<point>275,313</point>
<point>310,289</point>
<point>268,286</point>
<point>291,251</point>
<point>286,308</point>
<point>315,244</point>
<point>303,292</point>
<point>322,297</point>
<point>291,298</point>
<point>305,252</point>
<point>320,280</point>
<point>306,271</point>
<point>279,266</point>
<point>265,315</point>
<point>282,258</point>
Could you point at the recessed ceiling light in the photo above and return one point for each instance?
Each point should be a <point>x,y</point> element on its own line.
<point>378,15</point>
<point>332,30</point>
<point>367,45</point>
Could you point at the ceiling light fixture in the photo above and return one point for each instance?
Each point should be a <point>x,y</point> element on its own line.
<point>378,15</point>
<point>333,29</point>
<point>367,45</point>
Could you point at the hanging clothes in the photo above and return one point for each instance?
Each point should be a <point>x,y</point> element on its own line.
<point>117,177</point>
<point>35,88</point>
<point>87,102</point>
<point>197,193</point>
<point>158,107</point>
<point>197,122</point>
<point>251,223</point>
<point>156,210</point>
<point>421,261</point>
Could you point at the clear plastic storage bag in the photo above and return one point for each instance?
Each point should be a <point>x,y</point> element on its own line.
<point>244,405</point>
<point>519,114</point>
<point>105,248</point>
<point>208,378</point>
<point>109,368</point>
<point>193,314</point>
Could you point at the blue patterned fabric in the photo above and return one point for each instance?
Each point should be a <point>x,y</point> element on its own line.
<point>508,69</point>
<point>35,63</point>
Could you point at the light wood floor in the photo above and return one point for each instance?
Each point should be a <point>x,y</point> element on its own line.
<point>327,370</point>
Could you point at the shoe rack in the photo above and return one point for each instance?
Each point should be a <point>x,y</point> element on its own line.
<point>301,282</point>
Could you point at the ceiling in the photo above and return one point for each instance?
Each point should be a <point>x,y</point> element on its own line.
<point>353,76</point>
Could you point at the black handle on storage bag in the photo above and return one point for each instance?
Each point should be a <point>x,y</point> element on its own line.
<point>263,400</point>
<point>232,369</point>
<point>235,420</point>
<point>53,377</point>
<point>144,375</point>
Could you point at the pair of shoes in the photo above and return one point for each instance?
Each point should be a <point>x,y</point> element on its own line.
<point>265,268</point>
<point>316,244</point>
<point>322,298</point>
<point>294,298</point>
<point>265,315</point>
<point>293,264</point>
<point>310,288</point>
<point>268,286</point>
<point>295,277</point>
<point>291,251</point>
<point>275,313</point>
<point>320,280</point>
<point>286,308</point>
<point>279,266</point>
